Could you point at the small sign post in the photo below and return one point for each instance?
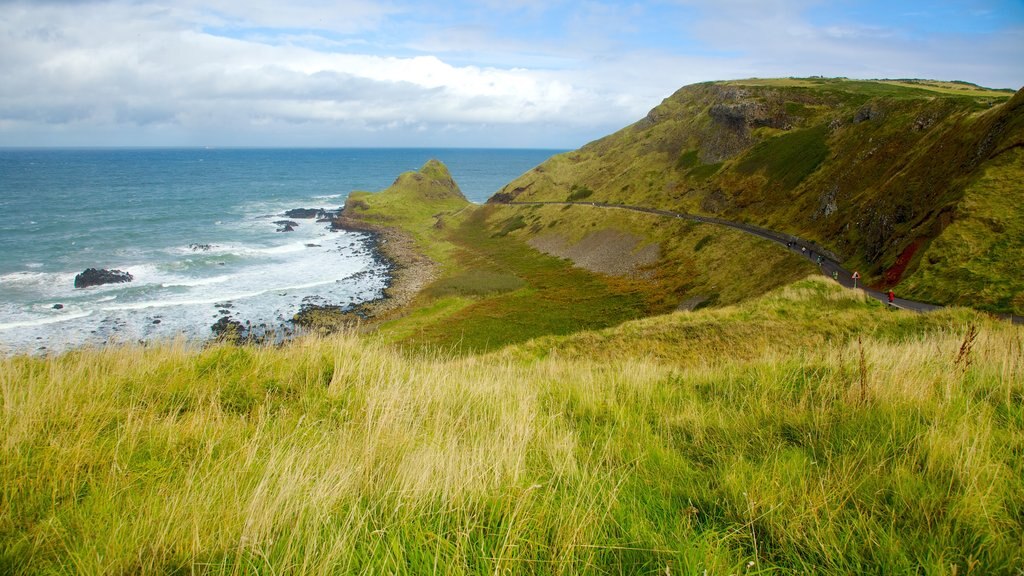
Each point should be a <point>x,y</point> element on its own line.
<point>856,276</point>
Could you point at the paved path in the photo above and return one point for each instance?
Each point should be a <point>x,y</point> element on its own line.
<point>827,261</point>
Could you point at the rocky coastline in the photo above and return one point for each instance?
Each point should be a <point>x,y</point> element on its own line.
<point>408,273</point>
<point>317,313</point>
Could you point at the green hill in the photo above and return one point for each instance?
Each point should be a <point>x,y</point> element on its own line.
<point>474,278</point>
<point>915,183</point>
<point>410,200</point>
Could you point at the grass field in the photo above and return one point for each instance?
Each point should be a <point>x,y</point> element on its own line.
<point>977,260</point>
<point>809,431</point>
<point>501,291</point>
<point>497,290</point>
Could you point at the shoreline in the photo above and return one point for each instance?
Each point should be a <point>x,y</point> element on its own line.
<point>399,272</point>
<point>408,272</point>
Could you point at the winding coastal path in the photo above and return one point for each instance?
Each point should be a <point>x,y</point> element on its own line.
<point>826,260</point>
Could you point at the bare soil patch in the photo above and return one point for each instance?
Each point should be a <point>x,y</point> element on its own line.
<point>611,252</point>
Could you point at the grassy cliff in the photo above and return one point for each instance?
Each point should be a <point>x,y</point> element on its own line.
<point>807,430</point>
<point>899,178</point>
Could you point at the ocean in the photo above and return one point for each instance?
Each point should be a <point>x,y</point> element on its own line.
<point>198,230</point>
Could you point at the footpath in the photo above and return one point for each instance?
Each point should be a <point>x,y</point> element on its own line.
<point>826,260</point>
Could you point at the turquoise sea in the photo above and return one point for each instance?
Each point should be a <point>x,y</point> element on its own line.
<point>196,229</point>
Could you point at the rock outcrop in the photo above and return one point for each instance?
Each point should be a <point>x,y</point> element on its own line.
<point>98,276</point>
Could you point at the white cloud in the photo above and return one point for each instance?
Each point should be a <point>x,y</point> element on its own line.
<point>79,69</point>
<point>267,73</point>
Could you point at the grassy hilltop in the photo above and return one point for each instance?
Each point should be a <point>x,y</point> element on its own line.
<point>915,183</point>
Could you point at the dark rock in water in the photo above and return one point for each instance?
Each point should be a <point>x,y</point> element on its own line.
<point>224,305</point>
<point>312,246</point>
<point>157,321</point>
<point>304,212</point>
<point>228,328</point>
<point>200,247</point>
<point>97,276</point>
<point>329,215</point>
<point>58,306</point>
<point>286,225</point>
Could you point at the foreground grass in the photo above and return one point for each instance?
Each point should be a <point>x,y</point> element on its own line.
<point>893,448</point>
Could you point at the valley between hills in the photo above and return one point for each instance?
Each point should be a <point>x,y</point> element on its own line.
<point>556,385</point>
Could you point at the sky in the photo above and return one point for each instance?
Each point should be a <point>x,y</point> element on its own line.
<point>487,73</point>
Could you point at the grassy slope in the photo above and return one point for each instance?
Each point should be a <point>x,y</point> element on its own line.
<point>414,203</point>
<point>865,168</point>
<point>808,430</point>
<point>984,245</point>
<point>498,290</point>
<point>494,289</point>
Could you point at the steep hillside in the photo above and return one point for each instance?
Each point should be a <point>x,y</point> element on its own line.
<point>877,172</point>
<point>405,216</point>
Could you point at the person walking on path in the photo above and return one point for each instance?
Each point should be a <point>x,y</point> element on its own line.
<point>892,296</point>
<point>856,276</point>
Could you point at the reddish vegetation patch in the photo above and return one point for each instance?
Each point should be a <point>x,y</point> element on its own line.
<point>895,272</point>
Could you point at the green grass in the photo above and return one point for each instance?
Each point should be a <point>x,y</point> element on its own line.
<point>788,159</point>
<point>863,168</point>
<point>498,290</point>
<point>754,439</point>
<point>511,225</point>
<point>536,294</point>
<point>704,171</point>
<point>911,88</point>
<point>977,260</point>
<point>578,193</point>
<point>417,203</point>
<point>689,159</point>
<point>475,283</point>
<point>703,260</point>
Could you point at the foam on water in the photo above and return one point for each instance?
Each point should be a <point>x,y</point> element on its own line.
<point>182,290</point>
<point>153,213</point>
<point>44,321</point>
<point>194,283</point>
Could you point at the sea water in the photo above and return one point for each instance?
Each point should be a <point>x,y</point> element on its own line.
<point>198,231</point>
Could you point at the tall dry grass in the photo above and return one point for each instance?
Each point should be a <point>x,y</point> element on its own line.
<point>339,455</point>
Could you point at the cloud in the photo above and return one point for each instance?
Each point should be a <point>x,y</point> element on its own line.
<point>397,73</point>
<point>77,69</point>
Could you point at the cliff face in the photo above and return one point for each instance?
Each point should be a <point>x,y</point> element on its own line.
<point>874,171</point>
